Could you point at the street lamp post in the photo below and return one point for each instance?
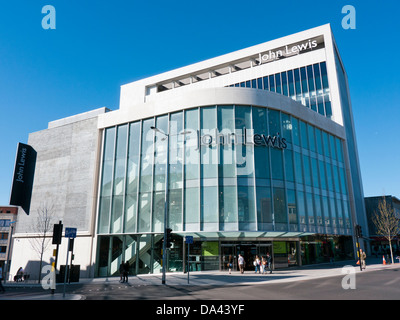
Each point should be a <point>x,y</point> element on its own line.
<point>166,136</point>
<point>165,205</point>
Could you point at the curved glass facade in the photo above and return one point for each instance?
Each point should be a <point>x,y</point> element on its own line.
<point>231,168</point>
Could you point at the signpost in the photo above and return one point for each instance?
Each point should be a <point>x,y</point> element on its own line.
<point>70,233</point>
<point>188,240</point>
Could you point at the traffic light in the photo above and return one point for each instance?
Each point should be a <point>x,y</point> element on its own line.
<point>358,231</point>
<point>169,237</point>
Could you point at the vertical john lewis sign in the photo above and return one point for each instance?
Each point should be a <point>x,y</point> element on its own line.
<point>24,171</point>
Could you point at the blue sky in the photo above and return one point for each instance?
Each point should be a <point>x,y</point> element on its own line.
<point>98,46</point>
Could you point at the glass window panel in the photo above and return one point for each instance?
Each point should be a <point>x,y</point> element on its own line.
<point>277,164</point>
<point>227,206</point>
<point>318,210</point>
<point>346,212</point>
<point>104,215</point>
<point>226,137</point>
<point>160,153</point>
<point>278,83</point>
<point>332,204</point>
<point>274,122</point>
<point>192,207</point>
<point>175,209</point>
<point>286,127</point>
<point>191,140</point>
<point>310,209</point>
<point>322,174</point>
<point>303,133</point>
<point>336,178</point>
<point>317,76</point>
<point>209,207</point>
<point>339,149</point>
<point>243,84</point>
<point>292,93</point>
<point>264,207</point>
<point>284,84</point>
<point>298,168</point>
<point>272,83</point>
<point>108,161</point>
<point>297,82</point>
<point>244,152</point>
<point>326,213</point>
<point>133,158</point>
<point>326,144</point>
<point>209,156</point>
<point>266,83</point>
<point>158,211</point>
<point>301,208</point>
<point>280,213</point>
<point>259,83</point>
<point>329,176</point>
<point>292,207</point>
<point>311,137</point>
<point>289,168</point>
<point>307,170</point>
<point>314,170</point>
<point>324,75</point>
<point>130,213</point>
<point>117,217</point>
<point>246,207</point>
<point>261,153</point>
<point>310,77</point>
<point>175,151</point>
<point>320,105</point>
<point>333,146</point>
<point>339,212</point>
<point>254,83</point>
<point>303,76</point>
<point>343,180</point>
<point>248,84</point>
<point>328,108</point>
<point>144,211</point>
<point>147,153</point>
<point>296,133</point>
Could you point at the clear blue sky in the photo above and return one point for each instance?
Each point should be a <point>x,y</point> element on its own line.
<point>98,46</point>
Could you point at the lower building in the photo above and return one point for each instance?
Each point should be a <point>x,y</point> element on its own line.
<point>378,243</point>
<point>8,218</point>
<point>250,153</point>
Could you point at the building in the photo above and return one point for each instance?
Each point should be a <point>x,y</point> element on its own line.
<point>8,217</point>
<point>379,244</point>
<point>262,157</point>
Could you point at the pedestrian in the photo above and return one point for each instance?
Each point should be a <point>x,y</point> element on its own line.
<point>269,262</point>
<point>257,264</point>
<point>126,271</point>
<point>121,272</point>
<point>1,279</point>
<point>230,263</point>
<point>363,256</point>
<point>263,264</point>
<point>241,263</point>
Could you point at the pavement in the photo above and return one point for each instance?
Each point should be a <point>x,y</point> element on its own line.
<point>205,278</point>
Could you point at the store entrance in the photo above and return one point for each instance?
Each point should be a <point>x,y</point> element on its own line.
<point>247,250</point>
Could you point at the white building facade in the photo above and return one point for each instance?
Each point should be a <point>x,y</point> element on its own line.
<point>262,157</point>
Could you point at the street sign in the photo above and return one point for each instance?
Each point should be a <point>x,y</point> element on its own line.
<point>70,232</point>
<point>189,239</point>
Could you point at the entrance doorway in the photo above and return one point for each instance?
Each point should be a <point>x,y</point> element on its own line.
<point>247,250</point>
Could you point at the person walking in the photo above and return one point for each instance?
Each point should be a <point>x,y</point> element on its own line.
<point>230,263</point>
<point>269,262</point>
<point>1,280</point>
<point>263,264</point>
<point>257,264</point>
<point>363,256</point>
<point>126,272</point>
<point>121,271</point>
<point>241,263</point>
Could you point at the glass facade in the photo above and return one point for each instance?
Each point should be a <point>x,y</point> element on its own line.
<point>307,85</point>
<point>220,179</point>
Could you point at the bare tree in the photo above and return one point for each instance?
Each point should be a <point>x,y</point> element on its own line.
<point>386,222</point>
<point>42,228</point>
